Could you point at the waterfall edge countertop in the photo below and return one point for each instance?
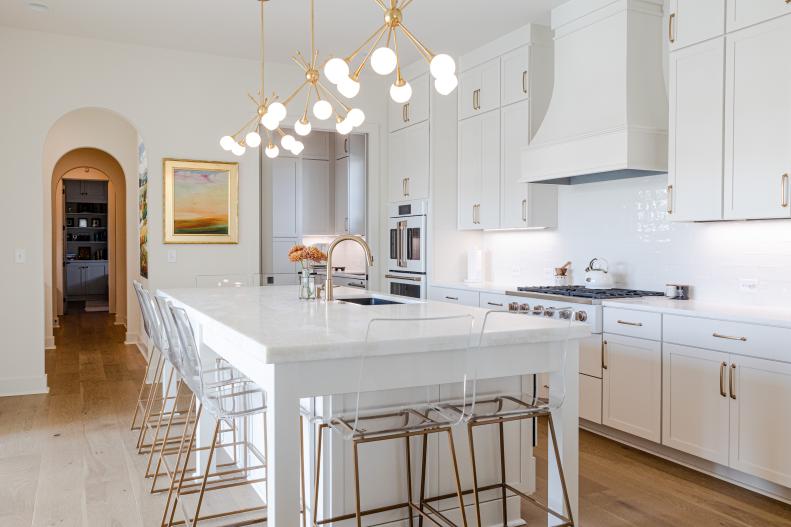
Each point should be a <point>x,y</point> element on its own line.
<point>277,327</point>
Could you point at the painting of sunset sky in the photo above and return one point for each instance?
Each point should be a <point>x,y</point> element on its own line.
<point>200,201</point>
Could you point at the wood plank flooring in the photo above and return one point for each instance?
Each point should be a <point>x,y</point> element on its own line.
<point>68,458</point>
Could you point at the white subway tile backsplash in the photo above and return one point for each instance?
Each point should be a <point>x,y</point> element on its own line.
<point>625,222</point>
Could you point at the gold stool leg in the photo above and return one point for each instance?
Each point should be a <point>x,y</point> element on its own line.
<point>205,480</point>
<point>167,436</point>
<point>502,476</point>
<point>357,512</point>
<point>140,395</point>
<point>458,480</point>
<point>408,480</point>
<point>167,519</point>
<point>302,469</point>
<point>474,474</point>
<point>560,468</point>
<point>159,423</point>
<point>423,457</point>
<point>150,403</point>
<point>318,475</point>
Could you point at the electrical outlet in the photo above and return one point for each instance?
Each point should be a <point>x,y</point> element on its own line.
<point>748,285</point>
<point>171,256</point>
<point>20,256</point>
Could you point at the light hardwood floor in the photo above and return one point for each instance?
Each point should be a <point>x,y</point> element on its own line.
<point>68,458</point>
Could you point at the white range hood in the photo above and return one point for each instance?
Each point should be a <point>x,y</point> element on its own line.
<point>608,114</point>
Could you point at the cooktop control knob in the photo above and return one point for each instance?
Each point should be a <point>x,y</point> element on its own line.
<point>537,310</point>
<point>565,314</point>
<point>549,312</point>
<point>513,306</point>
<point>524,308</point>
<point>581,316</point>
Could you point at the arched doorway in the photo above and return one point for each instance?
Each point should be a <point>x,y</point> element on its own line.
<point>108,256</point>
<point>114,145</point>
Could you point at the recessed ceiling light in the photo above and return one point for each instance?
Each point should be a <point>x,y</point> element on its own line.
<point>38,7</point>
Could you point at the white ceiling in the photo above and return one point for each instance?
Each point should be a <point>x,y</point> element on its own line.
<point>229,27</point>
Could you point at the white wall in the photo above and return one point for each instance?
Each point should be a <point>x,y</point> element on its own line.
<point>626,223</point>
<point>180,103</point>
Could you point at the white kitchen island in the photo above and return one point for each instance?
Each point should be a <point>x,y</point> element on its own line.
<point>297,350</point>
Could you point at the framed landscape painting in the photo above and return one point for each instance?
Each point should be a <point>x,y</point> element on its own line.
<point>201,201</point>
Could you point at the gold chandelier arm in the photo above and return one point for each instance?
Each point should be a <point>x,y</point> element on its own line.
<point>405,4</point>
<point>243,128</point>
<point>300,61</point>
<point>427,54</point>
<point>381,4</point>
<point>307,103</point>
<point>359,69</point>
<point>257,104</point>
<point>348,109</point>
<point>312,28</point>
<point>294,94</point>
<point>399,78</point>
<point>263,49</point>
<point>351,56</point>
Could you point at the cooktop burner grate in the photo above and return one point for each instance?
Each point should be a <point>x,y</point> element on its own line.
<point>579,291</point>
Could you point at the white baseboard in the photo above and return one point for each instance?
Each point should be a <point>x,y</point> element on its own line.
<point>49,342</point>
<point>23,386</point>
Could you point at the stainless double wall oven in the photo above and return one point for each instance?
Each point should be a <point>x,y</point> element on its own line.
<point>406,271</point>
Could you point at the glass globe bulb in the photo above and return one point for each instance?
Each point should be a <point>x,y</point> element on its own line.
<point>349,87</point>
<point>288,141</point>
<point>442,66</point>
<point>272,151</point>
<point>238,149</point>
<point>343,126</point>
<point>227,143</point>
<point>384,61</point>
<point>297,148</point>
<point>252,139</point>
<point>278,110</point>
<point>401,94</point>
<point>446,85</point>
<point>303,128</point>
<point>336,70</point>
<point>322,110</point>
<point>356,117</point>
<point>269,121</point>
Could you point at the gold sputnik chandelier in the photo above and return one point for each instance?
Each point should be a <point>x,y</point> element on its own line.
<point>269,112</point>
<point>384,60</point>
<point>326,102</point>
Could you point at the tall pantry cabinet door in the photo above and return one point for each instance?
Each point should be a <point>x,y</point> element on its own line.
<point>470,172</point>
<point>695,404</point>
<point>695,168</point>
<point>693,21</point>
<point>632,386</point>
<point>758,121</point>
<point>489,204</point>
<point>743,13</point>
<point>284,197</point>
<point>515,136</point>
<point>761,418</point>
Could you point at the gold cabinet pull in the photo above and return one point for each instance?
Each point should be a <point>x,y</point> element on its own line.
<point>474,97</point>
<point>454,298</point>
<point>723,367</point>
<point>784,180</point>
<point>524,79</point>
<point>406,108</point>
<point>403,113</point>
<point>403,186</point>
<point>406,187</point>
<point>524,210</point>
<point>732,381</point>
<point>670,199</point>
<point>604,355</point>
<point>728,337</point>
<point>670,27</point>
<point>627,323</point>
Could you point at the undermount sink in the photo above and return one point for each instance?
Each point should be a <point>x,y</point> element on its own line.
<point>369,301</point>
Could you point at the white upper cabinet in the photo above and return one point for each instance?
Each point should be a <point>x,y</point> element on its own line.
<point>761,418</point>
<point>315,190</point>
<point>695,167</point>
<point>342,146</point>
<point>522,205</point>
<point>350,191</point>
<point>479,89</point>
<point>515,75</point>
<point>695,402</point>
<point>743,13</point>
<point>758,122</point>
<point>409,163</point>
<point>416,110</point>
<point>284,197</point>
<point>479,172</point>
<point>693,21</point>
<point>317,145</point>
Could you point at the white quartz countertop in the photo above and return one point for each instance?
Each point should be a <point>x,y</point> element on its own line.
<point>277,327</point>
<point>766,316</point>
<point>481,287</point>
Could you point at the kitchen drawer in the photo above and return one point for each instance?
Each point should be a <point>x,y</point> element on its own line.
<point>454,296</point>
<point>590,398</point>
<point>639,324</point>
<point>495,302</point>
<point>731,337</point>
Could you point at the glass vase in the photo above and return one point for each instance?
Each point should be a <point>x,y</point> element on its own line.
<point>307,285</point>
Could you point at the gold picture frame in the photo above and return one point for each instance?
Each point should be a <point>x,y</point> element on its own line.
<point>201,201</point>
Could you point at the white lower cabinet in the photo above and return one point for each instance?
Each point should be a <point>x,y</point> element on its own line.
<point>495,301</point>
<point>695,402</point>
<point>760,418</point>
<point>590,398</point>
<point>632,386</point>
<point>454,296</point>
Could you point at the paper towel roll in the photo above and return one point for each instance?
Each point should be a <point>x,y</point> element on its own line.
<point>474,266</point>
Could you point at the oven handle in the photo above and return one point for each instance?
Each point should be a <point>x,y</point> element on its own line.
<point>410,278</point>
<point>401,243</point>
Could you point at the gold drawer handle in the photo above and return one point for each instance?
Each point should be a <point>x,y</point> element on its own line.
<point>670,199</point>
<point>784,178</point>
<point>728,337</point>
<point>723,366</point>
<point>732,381</point>
<point>454,298</point>
<point>670,33</point>
<point>603,355</point>
<point>627,323</point>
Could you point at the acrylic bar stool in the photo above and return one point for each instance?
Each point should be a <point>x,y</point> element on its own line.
<point>504,408</point>
<point>153,360</point>
<point>368,425</point>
